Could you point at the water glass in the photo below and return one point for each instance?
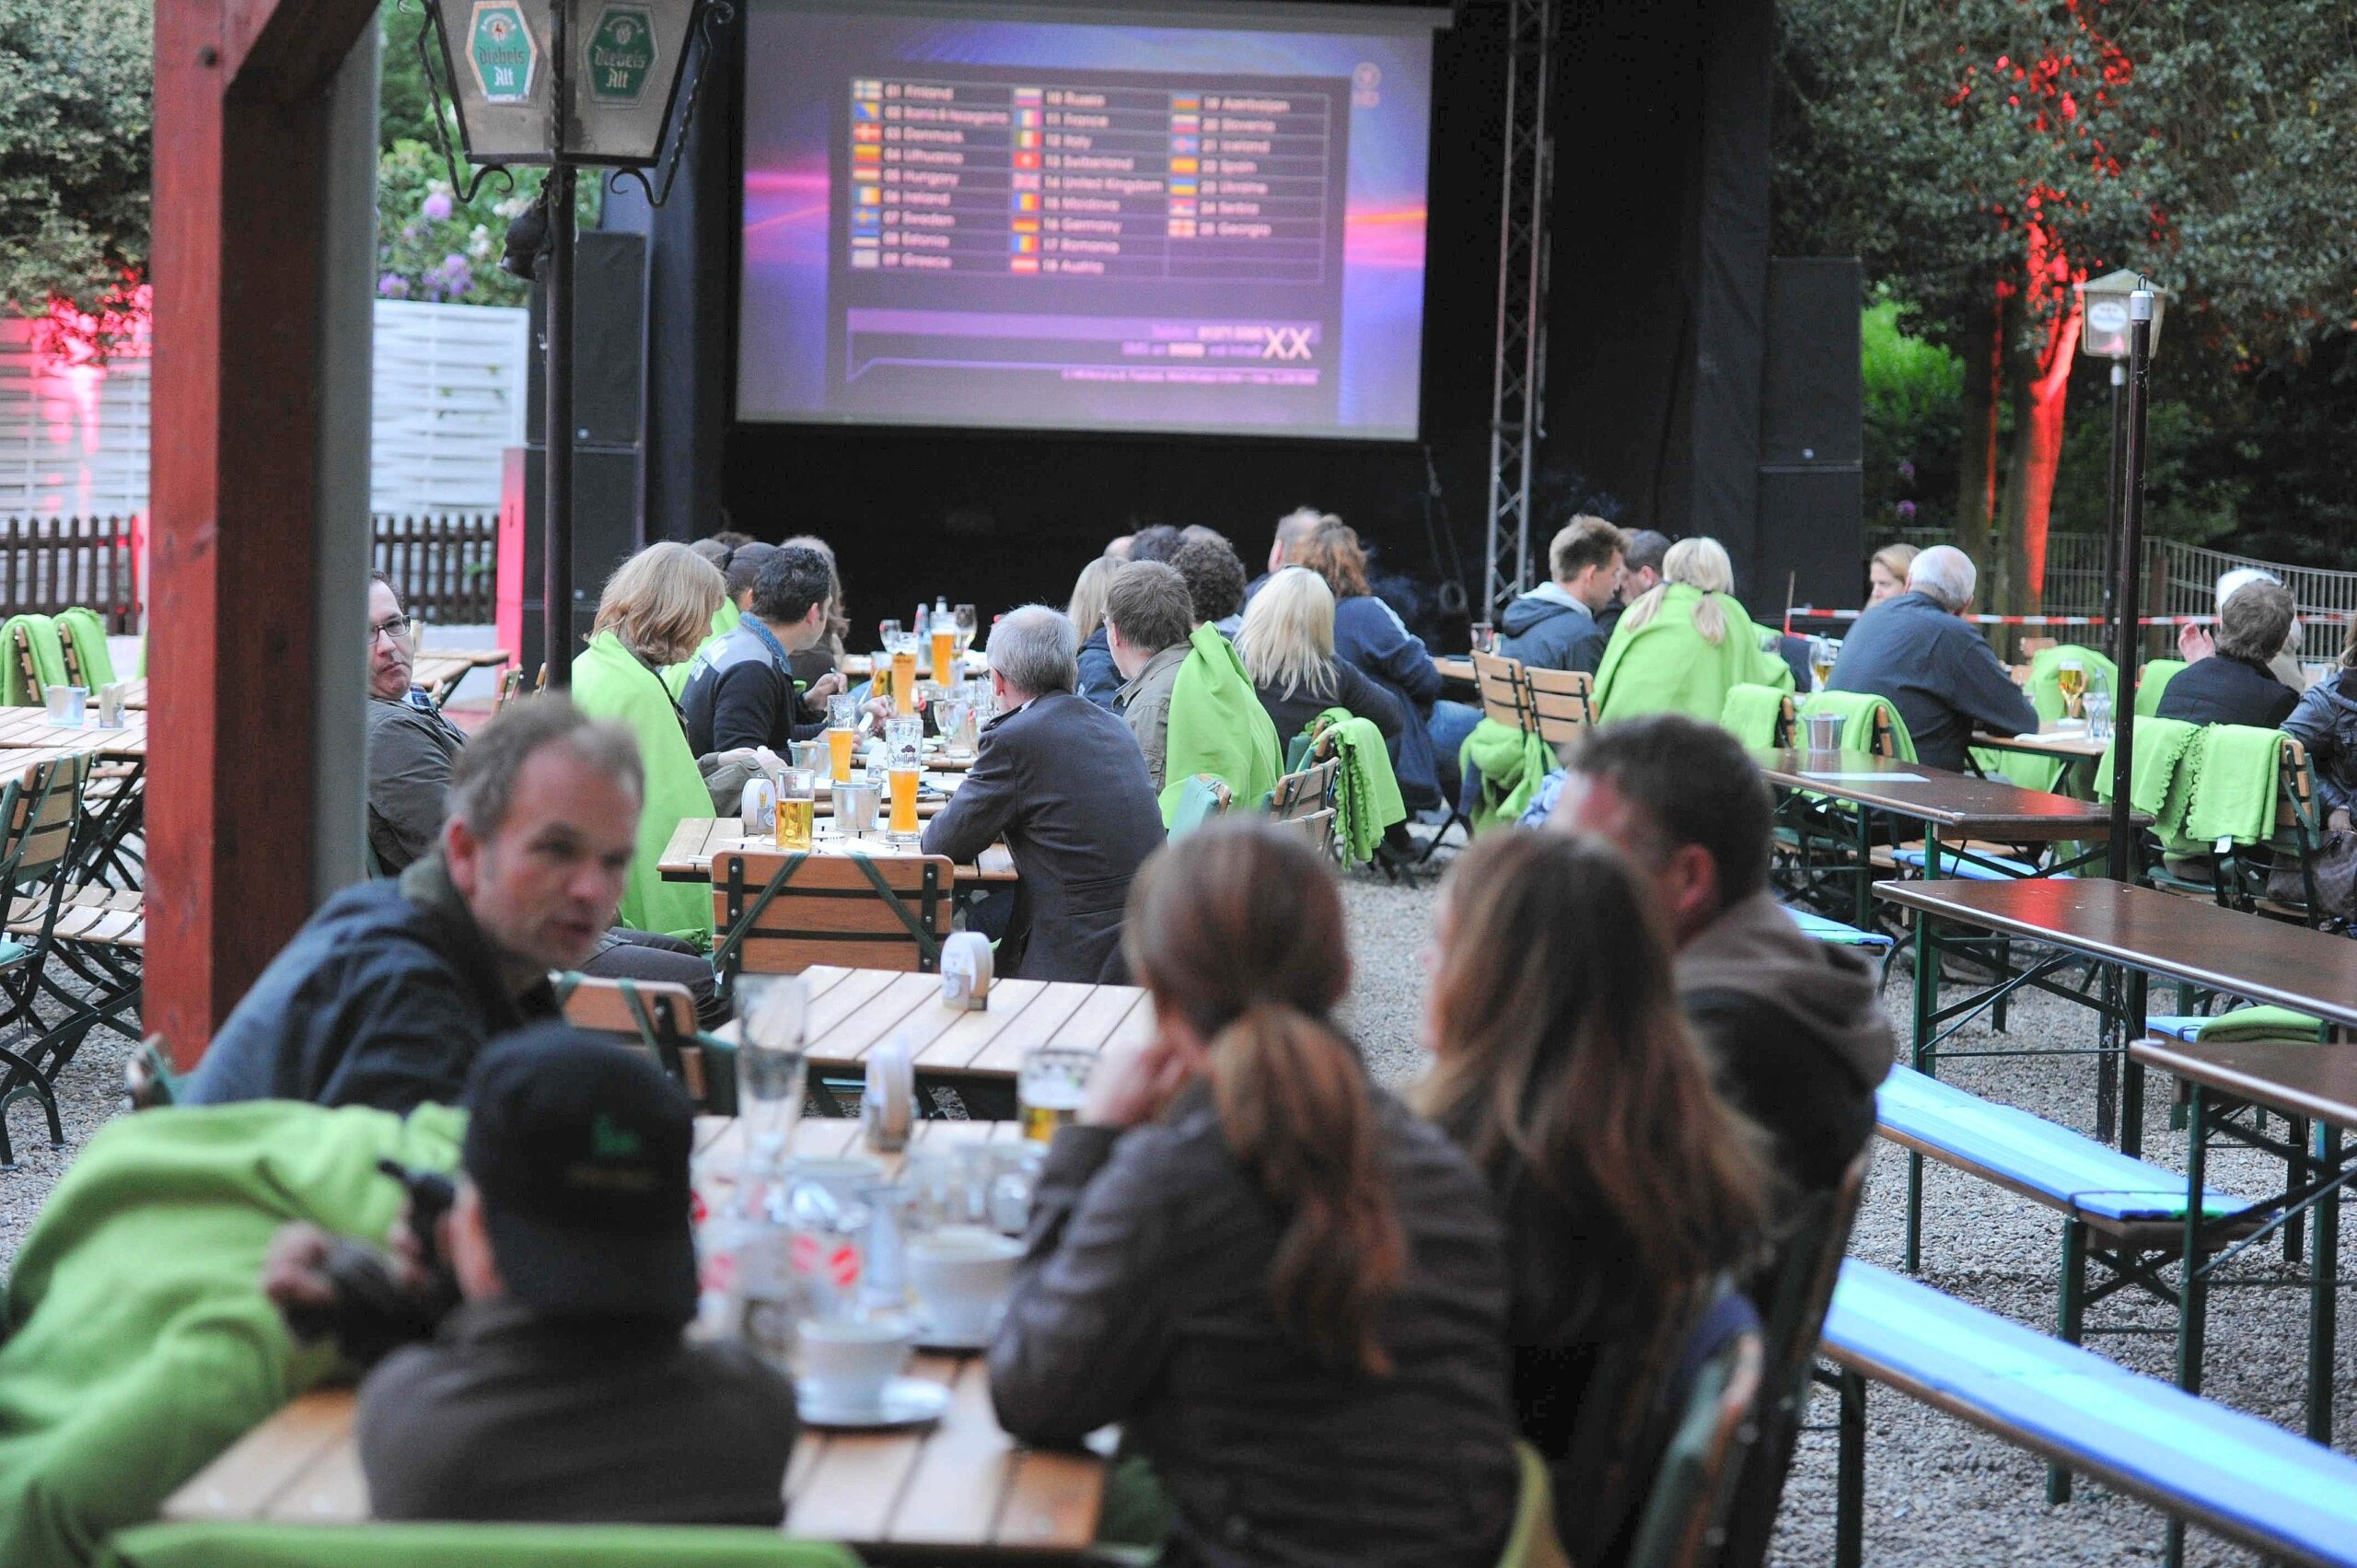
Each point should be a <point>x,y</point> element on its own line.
<point>1049,1086</point>
<point>2099,706</point>
<point>1485,637</point>
<point>771,1071</point>
<point>963,621</point>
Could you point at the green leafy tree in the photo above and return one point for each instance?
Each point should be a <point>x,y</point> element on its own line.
<point>76,105</point>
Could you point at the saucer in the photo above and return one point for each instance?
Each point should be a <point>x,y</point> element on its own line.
<point>907,1401</point>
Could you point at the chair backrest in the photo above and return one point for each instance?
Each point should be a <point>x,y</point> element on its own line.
<point>1200,798</point>
<point>1305,794</point>
<point>1498,680</point>
<point>509,685</point>
<point>1558,702</point>
<point>20,648</point>
<point>1788,721</point>
<point>658,1017</point>
<point>39,812</point>
<point>1684,1523</point>
<point>1317,828</point>
<point>781,913</point>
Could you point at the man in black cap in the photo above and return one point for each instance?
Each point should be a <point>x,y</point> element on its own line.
<point>561,1389</point>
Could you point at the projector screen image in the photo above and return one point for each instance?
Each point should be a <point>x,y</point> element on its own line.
<point>1202,221</point>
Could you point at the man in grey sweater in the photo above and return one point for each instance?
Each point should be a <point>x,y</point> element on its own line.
<point>1937,669</point>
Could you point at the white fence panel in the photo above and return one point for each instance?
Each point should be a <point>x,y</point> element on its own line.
<point>72,438</point>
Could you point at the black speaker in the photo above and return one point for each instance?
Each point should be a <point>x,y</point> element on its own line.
<point>1811,542</point>
<point>607,487</point>
<point>609,343</point>
<point>1811,404</point>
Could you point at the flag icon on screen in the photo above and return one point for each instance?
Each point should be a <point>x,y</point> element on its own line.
<point>1026,138</point>
<point>1024,244</point>
<point>1186,105</point>
<point>1025,181</point>
<point>1182,229</point>
<point>867,243</point>
<point>1185,209</point>
<point>1026,95</point>
<point>1027,160</point>
<point>1024,226</point>
<point>865,220</point>
<point>1182,187</point>
<point>870,195</point>
<point>1027,201</point>
<point>867,132</point>
<point>865,88</point>
<point>1186,123</point>
<point>1023,263</point>
<point>1186,166</point>
<point>1186,144</point>
<point>863,110</point>
<point>863,258</point>
<point>868,153</point>
<point>1027,118</point>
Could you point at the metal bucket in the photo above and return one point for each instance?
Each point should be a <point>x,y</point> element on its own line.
<point>1824,731</point>
<point>855,806</point>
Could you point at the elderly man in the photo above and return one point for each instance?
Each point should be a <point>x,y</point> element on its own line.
<point>1799,1034</point>
<point>387,995</point>
<point>1938,672</point>
<point>2233,682</point>
<point>2195,643</point>
<point>1061,780</point>
<point>1555,625</point>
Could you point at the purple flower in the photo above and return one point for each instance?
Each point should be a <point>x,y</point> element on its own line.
<point>392,285</point>
<point>436,206</point>
<point>1907,511</point>
<point>1906,471</point>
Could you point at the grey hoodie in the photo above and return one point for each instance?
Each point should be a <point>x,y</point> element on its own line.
<point>1797,1028</point>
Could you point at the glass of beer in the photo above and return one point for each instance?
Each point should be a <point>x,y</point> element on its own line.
<point>944,654</point>
<point>842,737</point>
<point>904,674</point>
<point>903,738</point>
<point>797,805</point>
<point>2070,679</point>
<point>1049,1086</point>
<point>1822,652</point>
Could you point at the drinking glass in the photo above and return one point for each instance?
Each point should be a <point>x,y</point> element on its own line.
<point>903,737</point>
<point>889,631</point>
<point>772,1073</point>
<point>2098,716</point>
<point>944,653</point>
<point>798,808</point>
<point>1821,654</point>
<point>1485,637</point>
<point>904,673</point>
<point>2070,679</point>
<point>963,623</point>
<point>954,716</point>
<point>1049,1086</point>
<point>842,737</point>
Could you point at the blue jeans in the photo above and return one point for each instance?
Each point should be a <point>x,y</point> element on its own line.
<point>1450,724</point>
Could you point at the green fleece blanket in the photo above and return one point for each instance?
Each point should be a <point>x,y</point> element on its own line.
<point>49,661</point>
<point>1858,710</point>
<point>83,627</point>
<point>1665,665</point>
<point>2259,1023</point>
<point>1513,763</point>
<point>1366,792</point>
<point>2157,674</point>
<point>2233,795</point>
<point>610,683</point>
<point>466,1546</point>
<point>1217,727</point>
<point>1753,714</point>
<point>139,1343</point>
<point>2168,757</point>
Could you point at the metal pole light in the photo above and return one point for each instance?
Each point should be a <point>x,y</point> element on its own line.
<point>2141,318</point>
<point>564,84</point>
<point>2103,334</point>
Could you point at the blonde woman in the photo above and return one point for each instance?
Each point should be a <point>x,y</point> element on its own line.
<point>1685,644</point>
<point>1098,678</point>
<point>1287,646</point>
<point>1887,571</point>
<point>656,611</point>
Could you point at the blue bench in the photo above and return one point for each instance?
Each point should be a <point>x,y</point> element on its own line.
<point>1825,929</point>
<point>2248,1480</point>
<point>1972,868</point>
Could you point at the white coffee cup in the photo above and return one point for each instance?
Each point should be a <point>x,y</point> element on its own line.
<point>963,1274</point>
<point>847,1362</point>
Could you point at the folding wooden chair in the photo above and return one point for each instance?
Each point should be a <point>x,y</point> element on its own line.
<point>1306,801</point>
<point>39,812</point>
<point>660,1017</point>
<point>1558,703</point>
<point>509,685</point>
<point>1499,682</point>
<point>1201,799</point>
<point>1684,1523</point>
<point>781,913</point>
<point>20,648</point>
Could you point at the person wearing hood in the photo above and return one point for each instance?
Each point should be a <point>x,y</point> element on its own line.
<point>1555,625</point>
<point>1795,1023</point>
<point>2326,723</point>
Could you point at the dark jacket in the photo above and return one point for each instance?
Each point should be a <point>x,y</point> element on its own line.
<point>1550,629</point>
<point>509,1415</point>
<point>1354,690</point>
<point>1062,781</point>
<point>1144,1300</point>
<point>1369,634</point>
<point>1937,672</point>
<point>383,999</point>
<point>1099,680</point>
<point>1798,1034</point>
<point>2325,721</point>
<point>741,698</point>
<point>411,749</point>
<point>2226,690</point>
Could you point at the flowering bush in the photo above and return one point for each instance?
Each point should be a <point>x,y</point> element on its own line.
<point>431,246</point>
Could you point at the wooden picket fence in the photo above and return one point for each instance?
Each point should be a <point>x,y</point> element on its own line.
<point>51,564</point>
<point>447,563</point>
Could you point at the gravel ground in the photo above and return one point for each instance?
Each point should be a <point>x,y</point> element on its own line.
<point>1939,1494</point>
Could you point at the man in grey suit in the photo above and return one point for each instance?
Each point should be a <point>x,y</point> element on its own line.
<point>1064,782</point>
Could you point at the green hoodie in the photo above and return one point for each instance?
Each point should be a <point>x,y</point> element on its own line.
<point>1665,665</point>
<point>609,682</point>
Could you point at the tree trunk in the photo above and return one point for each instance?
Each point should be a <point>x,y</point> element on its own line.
<point>2041,383</point>
<point>1976,494</point>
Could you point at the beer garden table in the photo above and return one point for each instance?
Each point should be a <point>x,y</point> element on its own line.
<point>687,856</point>
<point>961,1485</point>
<point>440,670</point>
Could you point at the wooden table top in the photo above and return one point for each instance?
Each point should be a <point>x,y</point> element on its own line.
<point>135,693</point>
<point>2296,1078</point>
<point>687,856</point>
<point>2054,739</point>
<point>440,670</point>
<point>1455,669</point>
<point>29,728</point>
<point>854,1011</point>
<point>2160,933</point>
<point>961,1485</point>
<point>1984,808</point>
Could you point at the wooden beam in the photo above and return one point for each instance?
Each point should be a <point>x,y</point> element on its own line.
<point>240,193</point>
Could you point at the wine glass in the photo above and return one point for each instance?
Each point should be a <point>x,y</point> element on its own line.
<point>962,619</point>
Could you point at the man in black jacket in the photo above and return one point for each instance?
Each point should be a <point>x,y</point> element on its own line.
<point>2234,684</point>
<point>1555,625</point>
<point>1064,782</point>
<point>1918,651</point>
<point>1799,1034</point>
<point>745,694</point>
<point>388,993</point>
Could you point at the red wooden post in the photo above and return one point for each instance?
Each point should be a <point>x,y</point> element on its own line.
<point>241,106</point>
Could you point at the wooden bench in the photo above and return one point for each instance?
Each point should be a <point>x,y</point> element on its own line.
<point>2246,1479</point>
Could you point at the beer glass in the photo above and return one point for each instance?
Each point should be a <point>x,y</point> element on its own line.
<point>944,654</point>
<point>842,737</point>
<point>2070,679</point>
<point>963,623</point>
<point>1822,652</point>
<point>1049,1086</point>
<point>904,674</point>
<point>902,741</point>
<point>796,807</point>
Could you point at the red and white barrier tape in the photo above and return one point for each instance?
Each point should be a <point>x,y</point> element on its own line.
<point>1806,614</point>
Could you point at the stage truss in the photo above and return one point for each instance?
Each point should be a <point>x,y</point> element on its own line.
<point>1518,412</point>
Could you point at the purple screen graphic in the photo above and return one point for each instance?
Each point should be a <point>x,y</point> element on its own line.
<point>1070,224</point>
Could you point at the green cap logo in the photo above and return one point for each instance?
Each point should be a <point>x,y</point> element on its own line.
<point>609,1142</point>
<point>501,50</point>
<point>621,54</point>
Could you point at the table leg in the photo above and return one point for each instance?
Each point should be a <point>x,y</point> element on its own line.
<point>1864,913</point>
<point>2132,1071</point>
<point>2193,1296</point>
<point>2070,1321</point>
<point>2107,1046</point>
<point>1850,1475</point>
<point>1927,1001</point>
<point>2323,1284</point>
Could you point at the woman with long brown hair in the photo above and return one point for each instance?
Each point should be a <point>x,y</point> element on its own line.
<point>1563,1065</point>
<point>1370,636</point>
<point>1287,1288</point>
